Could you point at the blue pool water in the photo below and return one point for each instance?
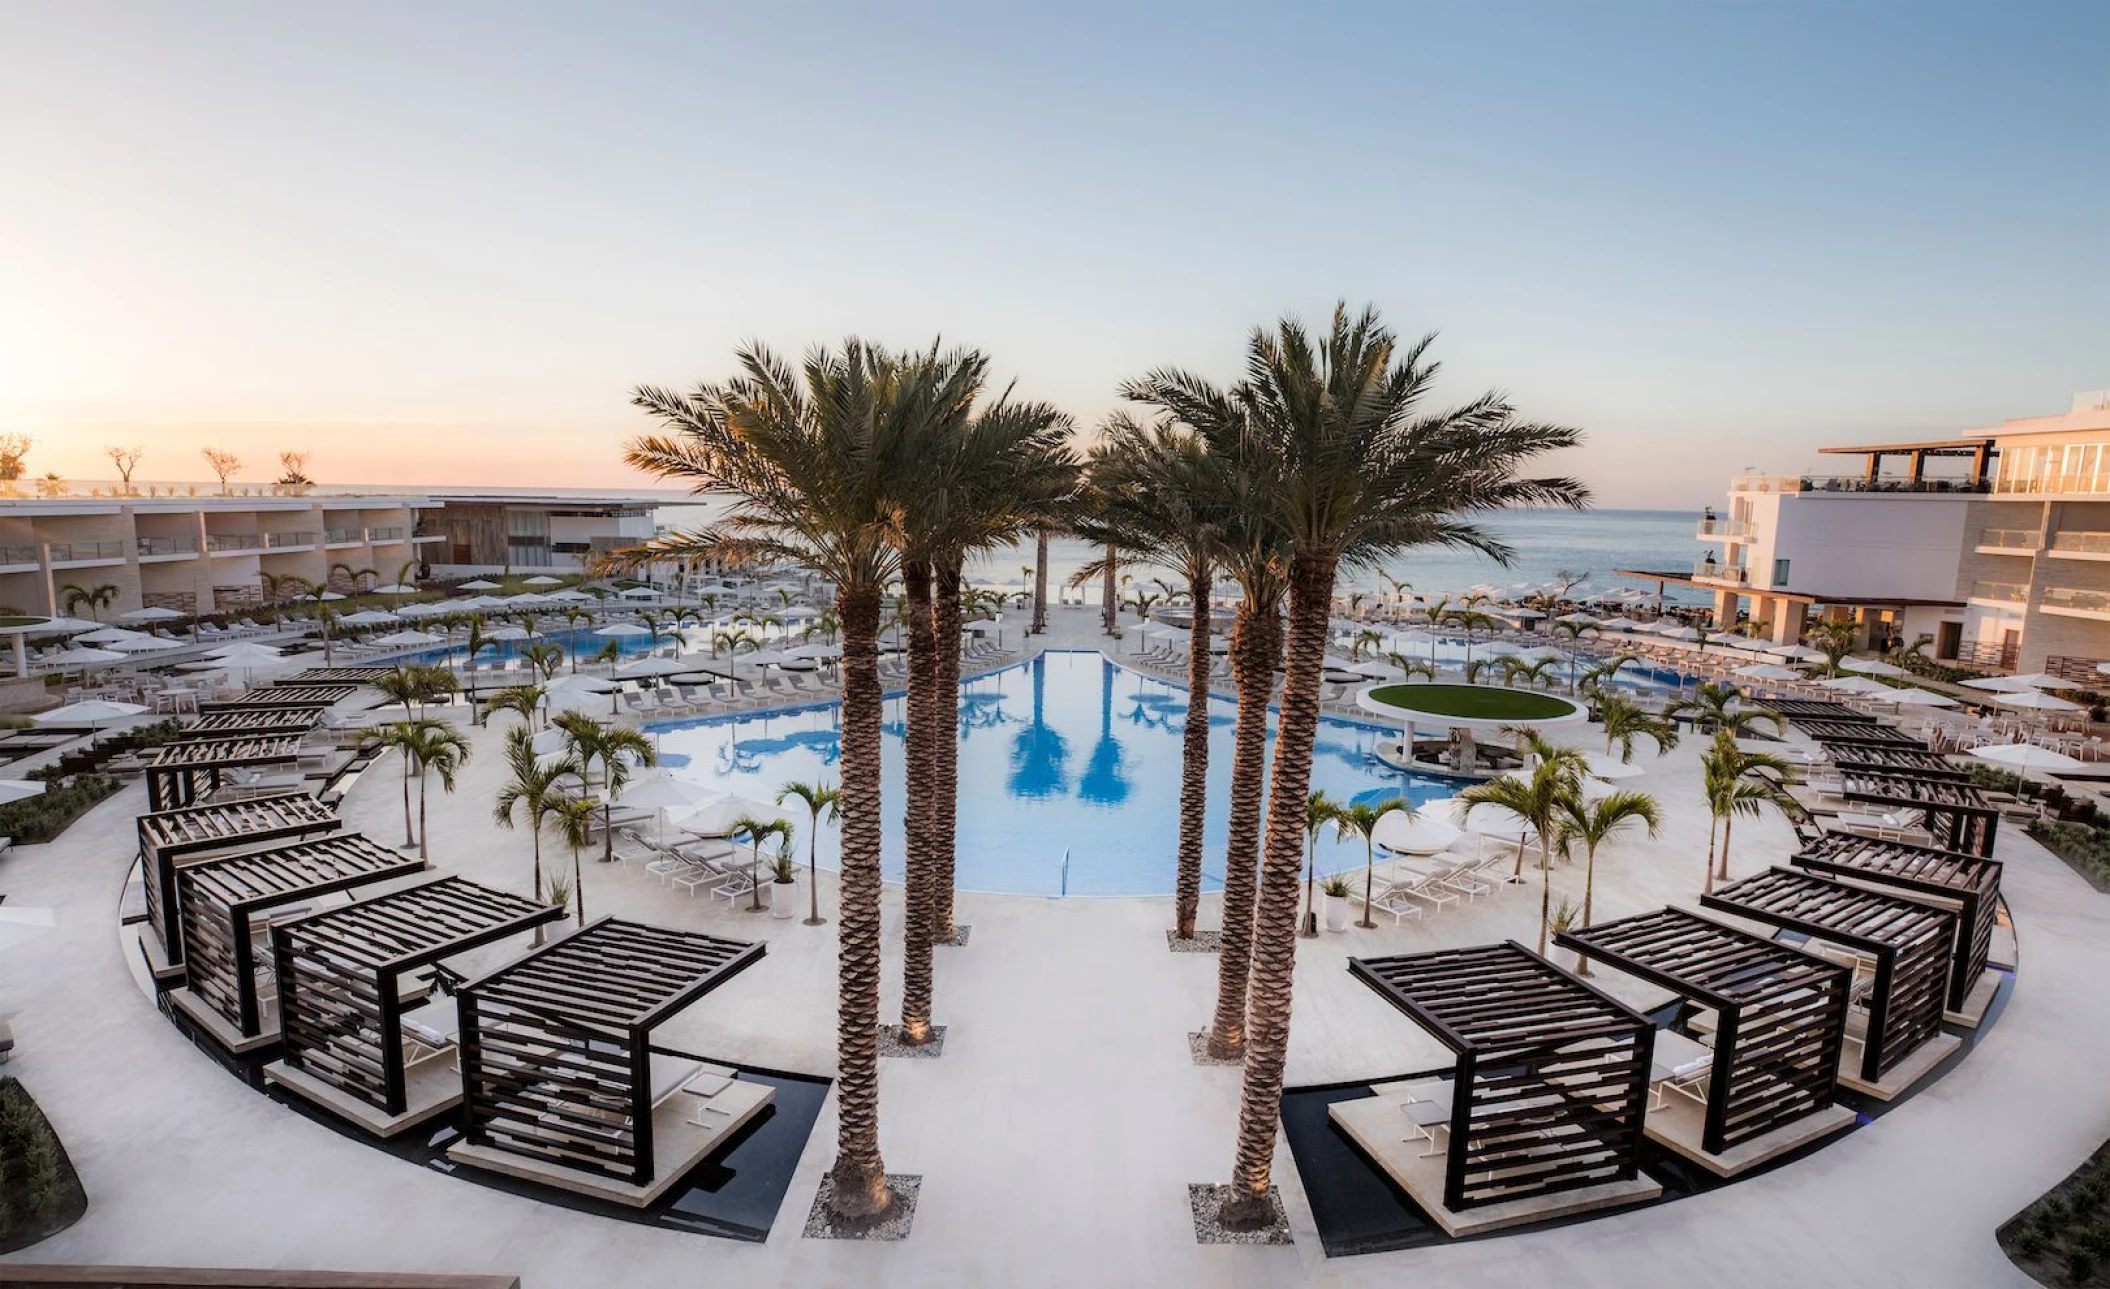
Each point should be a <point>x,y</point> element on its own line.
<point>1065,753</point>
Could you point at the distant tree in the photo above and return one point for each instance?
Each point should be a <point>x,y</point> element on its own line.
<point>14,452</point>
<point>73,597</point>
<point>126,460</point>
<point>53,484</point>
<point>295,470</point>
<point>223,463</point>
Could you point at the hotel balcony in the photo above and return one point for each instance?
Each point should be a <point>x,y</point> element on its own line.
<point>2080,546</point>
<point>2009,541</point>
<point>293,541</point>
<point>1711,571</point>
<point>79,554</point>
<point>166,548</point>
<point>1723,529</point>
<point>233,543</point>
<point>2073,602</point>
<point>16,558</point>
<point>343,536</point>
<point>1851,483</point>
<point>2000,592</point>
<point>385,536</point>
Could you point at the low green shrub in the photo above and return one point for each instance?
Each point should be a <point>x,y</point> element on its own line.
<point>39,1193</point>
<point>2084,846</point>
<point>41,818</point>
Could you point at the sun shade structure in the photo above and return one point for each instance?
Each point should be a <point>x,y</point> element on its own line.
<point>341,982</point>
<point>1921,763</point>
<point>315,697</point>
<point>1780,1014</point>
<point>1857,734</point>
<point>1908,941</point>
<point>1798,710</point>
<point>557,1065</point>
<point>225,900</point>
<point>1970,884</point>
<point>257,723</point>
<point>179,774</point>
<point>331,676</point>
<point>1957,813</point>
<point>1551,1084</point>
<point>170,838</point>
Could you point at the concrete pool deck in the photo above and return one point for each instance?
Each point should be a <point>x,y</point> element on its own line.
<point>1058,1133</point>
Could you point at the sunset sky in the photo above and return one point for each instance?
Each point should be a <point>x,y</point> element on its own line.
<point>439,244</point>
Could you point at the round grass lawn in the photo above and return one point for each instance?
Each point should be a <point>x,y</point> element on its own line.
<point>1473,702</point>
<point>18,622</point>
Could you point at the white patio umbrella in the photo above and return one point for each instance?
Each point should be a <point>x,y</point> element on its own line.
<point>1681,633</point>
<point>63,627</point>
<point>1578,617</point>
<point>405,639</point>
<point>2039,680</point>
<point>1917,697</point>
<point>577,700</point>
<point>821,652</point>
<point>1592,786</point>
<point>2000,684</point>
<point>665,795</point>
<point>543,579</point>
<point>146,644</point>
<point>1377,671</point>
<point>428,609</point>
<point>2027,756</point>
<point>1856,685</point>
<point>1872,667</point>
<point>1799,652</point>
<point>568,595</point>
<point>2036,701</point>
<point>153,614</point>
<point>510,633</point>
<point>331,595</point>
<point>246,653</point>
<point>19,789</point>
<point>639,593</point>
<point>369,618</point>
<point>1618,624</point>
<point>764,657</point>
<point>479,584</point>
<point>395,588</point>
<point>1766,671</point>
<point>94,713</point>
<point>1418,834</point>
<point>718,818</point>
<point>109,635</point>
<point>621,629</point>
<point>1752,645</point>
<point>1725,638</point>
<point>582,684</point>
<point>80,656</point>
<point>654,666</point>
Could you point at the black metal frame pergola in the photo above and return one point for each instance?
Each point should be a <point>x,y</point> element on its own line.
<point>221,899</point>
<point>1868,733</point>
<point>1780,1013</point>
<point>1797,710</point>
<point>1971,882</point>
<point>556,1046</point>
<point>340,974</point>
<point>331,676</point>
<point>1551,1086</point>
<point>1957,814</point>
<point>1910,943</point>
<point>315,697</point>
<point>168,837</point>
<point>179,773</point>
<point>255,722</point>
<point>1920,762</point>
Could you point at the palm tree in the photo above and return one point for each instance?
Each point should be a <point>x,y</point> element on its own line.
<point>1355,472</point>
<point>524,700</point>
<point>1589,824</point>
<point>1040,582</point>
<point>1600,677</point>
<point>545,656</point>
<point>426,744</point>
<point>1319,810</point>
<point>531,792</point>
<point>574,817</point>
<point>415,684</point>
<point>819,798</point>
<point>1540,799</point>
<point>815,460</point>
<point>1409,668</point>
<point>1835,640</point>
<point>1574,632</point>
<point>1626,720</point>
<point>615,748</point>
<point>1736,782</point>
<point>1532,672</point>
<point>355,578</point>
<point>1715,707</point>
<point>1359,818</point>
<point>73,597</point>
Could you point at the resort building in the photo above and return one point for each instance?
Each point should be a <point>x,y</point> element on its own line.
<point>1995,545</point>
<point>489,533</point>
<point>197,554</point>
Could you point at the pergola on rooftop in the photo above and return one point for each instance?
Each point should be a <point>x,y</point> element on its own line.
<point>1967,884</point>
<point>1900,949</point>
<point>561,1083</point>
<point>1546,1101</point>
<point>169,839</point>
<point>226,903</point>
<point>345,976</point>
<point>1778,1020</point>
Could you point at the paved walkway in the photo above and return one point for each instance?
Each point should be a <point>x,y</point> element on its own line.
<point>1058,1133</point>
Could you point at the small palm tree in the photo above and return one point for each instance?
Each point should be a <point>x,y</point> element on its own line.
<point>1589,825</point>
<point>426,745</point>
<point>545,656</point>
<point>73,597</point>
<point>1409,668</point>
<point>1833,639</point>
<point>819,798</point>
<point>1475,667</point>
<point>1359,818</point>
<point>1737,782</point>
<point>615,748</point>
<point>574,818</point>
<point>1319,810</point>
<point>759,831</point>
<point>1626,720</point>
<point>1532,672</point>
<point>531,793</point>
<point>1716,706</point>
<point>1599,679</point>
<point>523,700</point>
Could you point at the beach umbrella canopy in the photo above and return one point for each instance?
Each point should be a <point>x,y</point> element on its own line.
<point>109,635</point>
<point>639,593</point>
<point>1872,667</point>
<point>369,618</point>
<point>818,651</point>
<point>1415,834</point>
<point>247,653</point>
<point>2027,756</point>
<point>622,629</point>
<point>543,579</point>
<point>1856,685</point>
<point>765,657</point>
<point>406,638</point>
<point>1917,697</point>
<point>396,588</point>
<point>568,595</point>
<point>1377,671</point>
<point>1577,617</point>
<point>576,700</point>
<point>654,666</point>
<point>95,711</point>
<point>509,633</point>
<point>427,609</point>
<point>1766,671</point>
<point>2036,701</point>
<point>331,595</point>
<point>154,614</point>
<point>1753,644</point>
<point>1618,624</point>
<point>80,656</point>
<point>1681,633</point>
<point>63,627</point>
<point>1799,652</point>
<point>1497,822</point>
<point>2039,680</point>
<point>479,584</point>
<point>665,792</point>
<point>2001,684</point>
<point>18,789</point>
<point>145,644</point>
<point>582,684</point>
<point>719,818</point>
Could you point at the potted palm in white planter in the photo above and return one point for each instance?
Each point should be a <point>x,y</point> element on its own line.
<point>784,889</point>
<point>1336,899</point>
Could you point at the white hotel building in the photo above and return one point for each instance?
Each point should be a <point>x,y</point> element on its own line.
<point>1995,544</point>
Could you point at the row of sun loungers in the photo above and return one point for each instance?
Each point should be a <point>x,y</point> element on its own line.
<point>1413,888</point>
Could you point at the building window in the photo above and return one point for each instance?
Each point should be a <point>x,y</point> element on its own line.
<point>1780,572</point>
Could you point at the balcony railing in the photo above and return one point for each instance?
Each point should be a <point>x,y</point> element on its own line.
<point>343,536</point>
<point>217,542</point>
<point>1724,528</point>
<point>390,534</point>
<point>168,545</point>
<point>1850,483</point>
<point>18,554</point>
<point>2002,592</point>
<point>2011,539</point>
<point>2074,599</point>
<point>71,552</point>
<point>2081,543</point>
<point>1715,572</point>
<point>279,540</point>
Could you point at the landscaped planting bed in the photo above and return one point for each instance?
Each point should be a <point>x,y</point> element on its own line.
<point>39,1193</point>
<point>1473,702</point>
<point>2064,1238</point>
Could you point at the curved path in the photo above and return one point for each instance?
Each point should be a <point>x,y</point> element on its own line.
<point>1058,1132</point>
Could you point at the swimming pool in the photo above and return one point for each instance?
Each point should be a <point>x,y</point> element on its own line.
<point>1065,755</point>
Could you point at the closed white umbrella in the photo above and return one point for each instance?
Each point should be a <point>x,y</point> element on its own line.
<point>2027,756</point>
<point>1873,667</point>
<point>2036,701</point>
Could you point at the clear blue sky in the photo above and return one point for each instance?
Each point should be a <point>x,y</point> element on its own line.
<point>442,242</point>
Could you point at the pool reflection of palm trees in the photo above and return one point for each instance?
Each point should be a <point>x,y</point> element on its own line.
<point>1039,753</point>
<point>1103,781</point>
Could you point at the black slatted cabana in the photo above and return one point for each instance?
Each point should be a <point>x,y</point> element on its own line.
<point>330,676</point>
<point>556,1047</point>
<point>223,899</point>
<point>1780,1013</point>
<point>179,774</point>
<point>1858,734</point>
<point>1551,1084</point>
<point>1798,710</point>
<point>340,973</point>
<point>170,838</point>
<point>1957,814</point>
<point>257,722</point>
<point>316,697</point>
<point>1968,882</point>
<point>1909,943</point>
<point>1918,762</point>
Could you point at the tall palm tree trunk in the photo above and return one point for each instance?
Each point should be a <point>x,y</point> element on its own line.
<point>1275,912</point>
<point>917,980</point>
<point>424,833</point>
<point>409,836</point>
<point>859,1174</point>
<point>1722,872</point>
<point>1109,595</point>
<point>1194,769</point>
<point>1253,649</point>
<point>1040,582</point>
<point>578,887</point>
<point>947,621</point>
<point>1707,887</point>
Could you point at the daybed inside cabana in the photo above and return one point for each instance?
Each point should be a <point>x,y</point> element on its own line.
<point>1967,884</point>
<point>1776,1017</point>
<point>169,839</point>
<point>185,773</point>
<point>1542,1115</point>
<point>227,907</point>
<point>561,1083</point>
<point>1956,814</point>
<point>365,1037</point>
<point>1900,951</point>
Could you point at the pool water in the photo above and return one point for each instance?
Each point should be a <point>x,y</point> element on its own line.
<point>1069,776</point>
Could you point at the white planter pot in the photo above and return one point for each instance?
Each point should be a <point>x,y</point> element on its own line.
<point>783,899</point>
<point>1336,911</point>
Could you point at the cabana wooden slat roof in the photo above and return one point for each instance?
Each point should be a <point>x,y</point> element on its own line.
<point>1798,710</point>
<point>1958,813</point>
<point>268,749</point>
<point>409,928</point>
<point>331,676</point>
<point>621,976</point>
<point>313,696</point>
<point>1719,965</point>
<point>1871,733</point>
<point>166,836</point>
<point>1969,881</point>
<point>1491,997</point>
<point>1897,759</point>
<point>253,723</point>
<point>301,868</point>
